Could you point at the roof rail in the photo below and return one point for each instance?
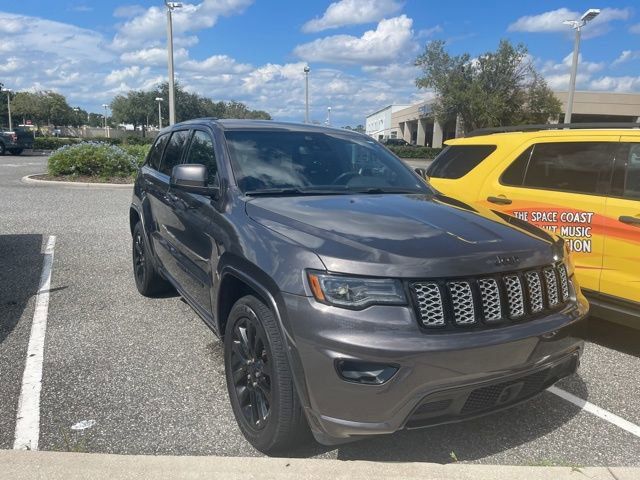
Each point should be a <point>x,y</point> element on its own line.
<point>551,126</point>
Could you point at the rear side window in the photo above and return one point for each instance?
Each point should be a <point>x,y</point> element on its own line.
<point>456,161</point>
<point>156,151</point>
<point>173,152</point>
<point>201,151</point>
<point>579,167</point>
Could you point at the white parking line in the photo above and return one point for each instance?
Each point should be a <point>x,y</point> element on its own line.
<point>28,419</point>
<point>597,411</point>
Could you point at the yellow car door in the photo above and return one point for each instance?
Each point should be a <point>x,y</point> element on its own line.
<point>621,265</point>
<point>560,186</point>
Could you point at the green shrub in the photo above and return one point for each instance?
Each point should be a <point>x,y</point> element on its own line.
<point>415,152</point>
<point>97,159</point>
<point>52,143</point>
<point>137,151</point>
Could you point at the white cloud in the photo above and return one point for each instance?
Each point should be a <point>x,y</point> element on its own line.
<point>429,32</point>
<point>127,11</point>
<point>352,12</point>
<point>12,64</point>
<point>635,28</point>
<point>391,39</point>
<point>215,64</point>
<point>616,84</point>
<point>119,76</point>
<point>149,26</point>
<point>152,56</point>
<point>626,56</point>
<point>558,75</point>
<point>551,21</point>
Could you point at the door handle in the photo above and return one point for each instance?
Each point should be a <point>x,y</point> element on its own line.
<point>630,220</point>
<point>500,200</point>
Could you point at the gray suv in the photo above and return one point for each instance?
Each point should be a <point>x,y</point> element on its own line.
<point>352,298</point>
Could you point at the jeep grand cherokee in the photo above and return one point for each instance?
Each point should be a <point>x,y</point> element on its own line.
<point>352,298</point>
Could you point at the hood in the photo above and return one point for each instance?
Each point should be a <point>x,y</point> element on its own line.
<point>413,235</point>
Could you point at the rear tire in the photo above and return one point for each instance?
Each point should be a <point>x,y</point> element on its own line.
<point>16,151</point>
<point>263,396</point>
<point>148,280</point>
<point>2,149</point>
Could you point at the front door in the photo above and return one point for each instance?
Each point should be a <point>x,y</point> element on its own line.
<point>621,267</point>
<point>194,239</point>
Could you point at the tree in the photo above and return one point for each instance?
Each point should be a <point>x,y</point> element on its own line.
<point>139,107</point>
<point>42,107</point>
<point>359,128</point>
<point>497,88</point>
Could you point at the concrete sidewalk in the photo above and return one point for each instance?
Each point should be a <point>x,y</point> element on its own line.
<point>24,465</point>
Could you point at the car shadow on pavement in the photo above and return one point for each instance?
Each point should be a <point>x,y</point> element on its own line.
<point>20,269</point>
<point>614,336</point>
<point>463,441</point>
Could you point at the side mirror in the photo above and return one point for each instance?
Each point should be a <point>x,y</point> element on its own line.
<point>422,172</point>
<point>192,178</point>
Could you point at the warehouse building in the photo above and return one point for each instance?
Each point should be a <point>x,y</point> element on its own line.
<point>416,125</point>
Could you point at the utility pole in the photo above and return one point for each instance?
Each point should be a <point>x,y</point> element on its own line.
<point>306,93</point>
<point>9,107</point>
<point>172,106</point>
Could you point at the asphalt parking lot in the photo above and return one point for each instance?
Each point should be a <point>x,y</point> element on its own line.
<point>149,374</point>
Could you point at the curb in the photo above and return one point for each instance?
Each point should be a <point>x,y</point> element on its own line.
<point>30,465</point>
<point>34,181</point>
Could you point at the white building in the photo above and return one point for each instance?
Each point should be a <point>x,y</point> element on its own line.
<point>379,123</point>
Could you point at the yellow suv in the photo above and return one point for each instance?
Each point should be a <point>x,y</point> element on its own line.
<point>582,184</point>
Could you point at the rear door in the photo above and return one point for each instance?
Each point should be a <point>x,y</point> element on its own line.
<point>621,265</point>
<point>560,186</point>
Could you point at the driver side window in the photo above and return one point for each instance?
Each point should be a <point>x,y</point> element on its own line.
<point>201,151</point>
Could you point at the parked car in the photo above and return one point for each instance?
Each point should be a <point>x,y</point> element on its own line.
<point>581,183</point>
<point>396,142</point>
<point>352,299</point>
<point>16,141</point>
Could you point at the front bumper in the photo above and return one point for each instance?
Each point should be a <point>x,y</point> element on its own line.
<point>437,374</point>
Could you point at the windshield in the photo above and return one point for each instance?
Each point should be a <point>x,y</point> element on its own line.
<point>298,162</point>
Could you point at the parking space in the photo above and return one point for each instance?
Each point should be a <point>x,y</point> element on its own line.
<point>147,374</point>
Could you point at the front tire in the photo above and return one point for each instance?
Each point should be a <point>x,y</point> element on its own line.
<point>2,149</point>
<point>263,396</point>
<point>16,151</point>
<point>149,282</point>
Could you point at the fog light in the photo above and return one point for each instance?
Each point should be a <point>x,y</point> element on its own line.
<point>365,372</point>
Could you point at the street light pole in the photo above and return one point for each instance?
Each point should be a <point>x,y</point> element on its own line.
<point>172,107</point>
<point>577,26</point>
<point>159,100</point>
<point>106,132</point>
<point>8,90</point>
<point>306,93</point>
<point>329,116</point>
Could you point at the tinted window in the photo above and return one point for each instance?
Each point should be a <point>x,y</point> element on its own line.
<point>201,151</point>
<point>458,160</point>
<point>514,174</point>
<point>581,167</point>
<point>306,160</point>
<point>156,151</point>
<point>632,177</point>
<point>173,152</point>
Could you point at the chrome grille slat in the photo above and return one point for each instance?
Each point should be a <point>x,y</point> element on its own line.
<point>515,295</point>
<point>462,302</point>
<point>564,282</point>
<point>551,281</point>
<point>430,304</point>
<point>491,303</point>
<point>534,288</point>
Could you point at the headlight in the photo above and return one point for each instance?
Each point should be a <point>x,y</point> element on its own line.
<point>568,259</point>
<point>355,292</point>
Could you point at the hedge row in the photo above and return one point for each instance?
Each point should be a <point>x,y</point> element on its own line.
<point>415,152</point>
<point>53,143</point>
<point>97,159</point>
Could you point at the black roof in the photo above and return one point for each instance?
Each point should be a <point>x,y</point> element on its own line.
<point>248,124</point>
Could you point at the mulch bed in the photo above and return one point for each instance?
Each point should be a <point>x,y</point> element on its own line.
<point>83,179</point>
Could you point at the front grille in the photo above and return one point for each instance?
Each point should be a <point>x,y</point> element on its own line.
<point>513,296</point>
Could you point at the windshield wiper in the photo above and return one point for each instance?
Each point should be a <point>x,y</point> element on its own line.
<point>293,191</point>
<point>378,190</point>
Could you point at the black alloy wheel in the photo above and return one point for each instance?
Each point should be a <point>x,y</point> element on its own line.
<point>251,372</point>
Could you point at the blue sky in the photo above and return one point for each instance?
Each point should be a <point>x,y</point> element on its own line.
<point>361,52</point>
